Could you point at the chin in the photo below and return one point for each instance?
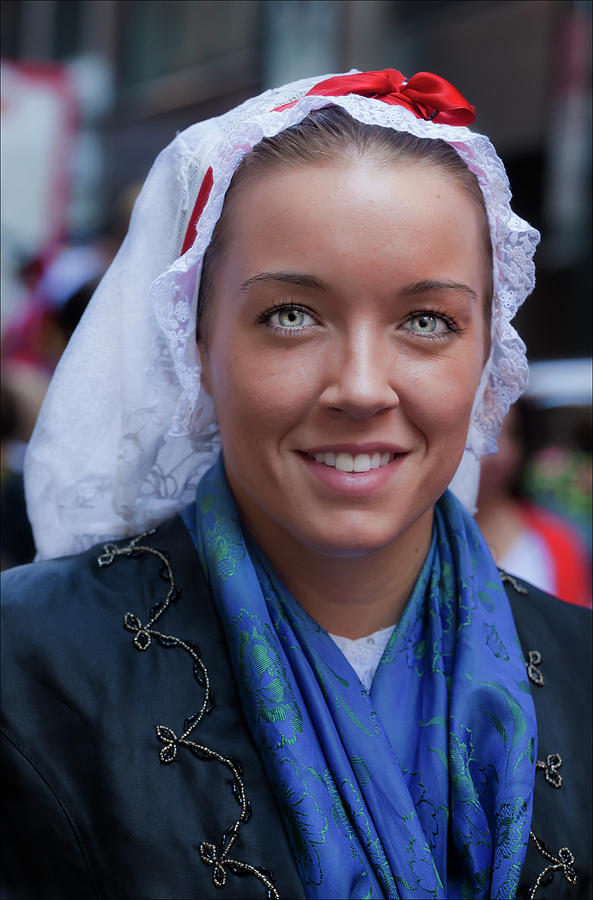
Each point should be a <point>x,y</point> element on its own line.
<point>352,542</point>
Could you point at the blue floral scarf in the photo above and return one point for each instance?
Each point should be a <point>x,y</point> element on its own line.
<point>421,787</point>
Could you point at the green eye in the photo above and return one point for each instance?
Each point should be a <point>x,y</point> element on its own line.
<point>287,319</point>
<point>425,323</point>
<point>291,317</point>
<point>431,324</point>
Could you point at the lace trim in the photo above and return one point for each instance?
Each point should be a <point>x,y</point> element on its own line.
<point>216,856</point>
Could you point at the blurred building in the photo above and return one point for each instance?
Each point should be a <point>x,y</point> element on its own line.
<point>144,69</point>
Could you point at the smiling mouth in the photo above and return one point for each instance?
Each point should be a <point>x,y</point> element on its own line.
<point>347,462</point>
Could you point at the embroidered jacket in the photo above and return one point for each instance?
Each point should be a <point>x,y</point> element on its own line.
<point>129,768</point>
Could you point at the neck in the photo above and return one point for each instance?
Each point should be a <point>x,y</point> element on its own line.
<point>352,596</point>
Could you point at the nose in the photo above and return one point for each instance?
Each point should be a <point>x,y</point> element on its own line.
<point>360,381</point>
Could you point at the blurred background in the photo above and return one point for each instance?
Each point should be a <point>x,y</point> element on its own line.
<point>92,90</point>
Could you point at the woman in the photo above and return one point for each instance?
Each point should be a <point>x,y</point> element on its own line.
<point>353,287</point>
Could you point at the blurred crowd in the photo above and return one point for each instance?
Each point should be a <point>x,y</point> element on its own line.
<point>534,503</point>
<point>55,288</point>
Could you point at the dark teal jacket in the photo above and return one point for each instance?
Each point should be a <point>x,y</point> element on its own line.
<point>103,800</point>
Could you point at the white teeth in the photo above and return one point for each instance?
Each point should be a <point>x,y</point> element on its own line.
<point>362,462</point>
<point>346,462</point>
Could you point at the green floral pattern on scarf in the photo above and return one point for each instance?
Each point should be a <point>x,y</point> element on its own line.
<point>421,787</point>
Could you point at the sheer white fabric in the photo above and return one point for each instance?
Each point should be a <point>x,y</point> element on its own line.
<point>126,432</point>
<point>364,654</point>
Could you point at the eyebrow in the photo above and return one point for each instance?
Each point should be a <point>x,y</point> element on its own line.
<point>289,277</point>
<point>416,287</point>
<point>429,284</point>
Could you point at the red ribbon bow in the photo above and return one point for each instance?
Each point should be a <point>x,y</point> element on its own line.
<point>428,96</point>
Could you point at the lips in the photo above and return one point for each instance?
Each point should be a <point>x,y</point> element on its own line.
<point>354,459</point>
<point>355,472</point>
<point>353,462</point>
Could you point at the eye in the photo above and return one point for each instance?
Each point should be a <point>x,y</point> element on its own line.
<point>430,323</point>
<point>288,318</point>
<point>291,317</point>
<point>427,324</point>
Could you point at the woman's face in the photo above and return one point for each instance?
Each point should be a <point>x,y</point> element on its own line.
<point>345,333</point>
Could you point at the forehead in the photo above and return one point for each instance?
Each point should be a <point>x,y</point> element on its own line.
<point>370,221</point>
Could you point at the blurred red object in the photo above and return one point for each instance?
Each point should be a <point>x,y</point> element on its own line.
<point>569,559</point>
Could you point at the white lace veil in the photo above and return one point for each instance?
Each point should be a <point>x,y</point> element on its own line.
<point>125,432</point>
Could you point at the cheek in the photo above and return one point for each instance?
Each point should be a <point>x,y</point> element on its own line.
<point>440,402</point>
<point>261,396</point>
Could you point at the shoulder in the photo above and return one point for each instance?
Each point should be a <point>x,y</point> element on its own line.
<point>562,629</point>
<point>103,669</point>
<point>52,592</point>
<point>556,640</point>
<point>63,627</point>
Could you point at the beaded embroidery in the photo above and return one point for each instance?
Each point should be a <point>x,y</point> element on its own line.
<point>562,862</point>
<point>211,855</point>
<point>550,769</point>
<point>533,673</point>
<point>504,576</point>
